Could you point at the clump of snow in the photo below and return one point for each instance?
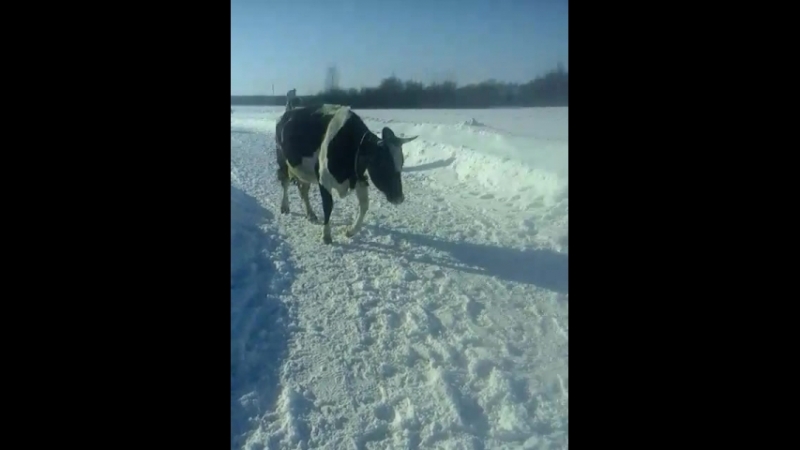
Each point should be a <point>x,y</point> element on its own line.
<point>442,324</point>
<point>472,122</point>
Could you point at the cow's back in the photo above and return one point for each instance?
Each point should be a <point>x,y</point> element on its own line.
<point>300,131</point>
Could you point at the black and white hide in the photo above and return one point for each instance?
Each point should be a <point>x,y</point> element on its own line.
<point>330,145</point>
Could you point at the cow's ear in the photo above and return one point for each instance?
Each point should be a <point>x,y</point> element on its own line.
<point>388,135</point>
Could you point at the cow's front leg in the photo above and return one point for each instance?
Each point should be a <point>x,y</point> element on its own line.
<point>327,208</point>
<point>304,188</point>
<point>285,198</point>
<point>362,191</point>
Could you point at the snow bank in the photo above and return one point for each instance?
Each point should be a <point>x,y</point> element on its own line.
<point>510,160</point>
<point>489,150</point>
<point>514,160</point>
<point>258,316</point>
<point>256,119</point>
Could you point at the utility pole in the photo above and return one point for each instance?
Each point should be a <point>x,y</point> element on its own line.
<point>273,89</point>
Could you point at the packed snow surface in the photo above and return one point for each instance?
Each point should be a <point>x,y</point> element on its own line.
<point>443,324</point>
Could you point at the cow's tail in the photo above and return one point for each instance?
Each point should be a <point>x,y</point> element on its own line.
<point>291,100</point>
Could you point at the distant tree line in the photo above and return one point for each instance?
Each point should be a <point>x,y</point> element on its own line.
<point>551,89</point>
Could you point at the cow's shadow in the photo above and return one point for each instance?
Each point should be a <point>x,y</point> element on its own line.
<point>259,332</point>
<point>543,268</point>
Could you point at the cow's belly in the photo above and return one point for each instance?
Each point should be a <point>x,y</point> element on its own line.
<point>305,170</point>
<point>327,180</point>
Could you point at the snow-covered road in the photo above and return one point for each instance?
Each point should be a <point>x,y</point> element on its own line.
<point>442,324</point>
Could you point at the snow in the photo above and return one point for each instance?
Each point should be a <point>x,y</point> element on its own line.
<point>442,324</point>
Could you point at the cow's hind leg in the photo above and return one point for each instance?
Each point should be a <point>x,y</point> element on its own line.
<point>327,208</point>
<point>304,188</point>
<point>363,205</point>
<point>283,177</point>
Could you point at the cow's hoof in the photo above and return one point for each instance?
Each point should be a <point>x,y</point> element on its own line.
<point>327,240</point>
<point>284,209</point>
<point>313,218</point>
<point>350,232</point>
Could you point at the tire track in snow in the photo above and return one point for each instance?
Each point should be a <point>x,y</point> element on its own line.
<point>413,334</point>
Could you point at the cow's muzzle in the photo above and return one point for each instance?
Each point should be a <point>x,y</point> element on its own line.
<point>397,200</point>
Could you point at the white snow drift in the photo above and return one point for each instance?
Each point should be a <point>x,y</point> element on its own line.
<point>443,324</point>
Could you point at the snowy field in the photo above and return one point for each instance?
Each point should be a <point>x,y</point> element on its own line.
<point>442,325</point>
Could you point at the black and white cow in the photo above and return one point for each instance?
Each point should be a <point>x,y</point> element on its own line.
<point>331,146</point>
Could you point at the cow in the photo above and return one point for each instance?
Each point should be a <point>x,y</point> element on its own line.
<point>331,146</point>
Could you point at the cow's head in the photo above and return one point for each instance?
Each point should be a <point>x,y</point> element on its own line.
<point>386,164</point>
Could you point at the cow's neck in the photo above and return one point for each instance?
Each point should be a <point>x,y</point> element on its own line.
<point>359,162</point>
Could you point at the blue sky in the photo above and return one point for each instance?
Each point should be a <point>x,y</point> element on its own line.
<point>291,43</point>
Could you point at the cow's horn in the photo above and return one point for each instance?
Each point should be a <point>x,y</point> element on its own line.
<point>406,140</point>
